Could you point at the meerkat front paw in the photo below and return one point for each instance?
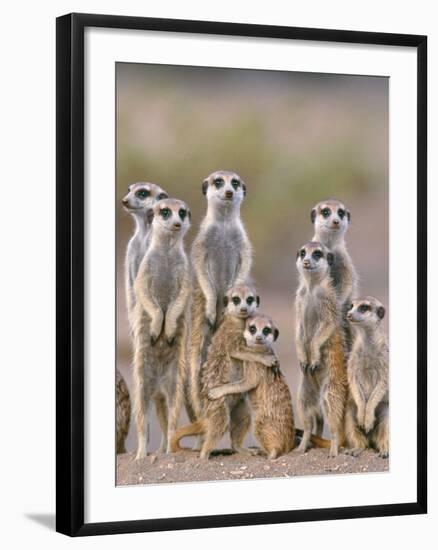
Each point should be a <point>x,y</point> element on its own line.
<point>156,330</point>
<point>215,393</point>
<point>304,366</point>
<point>369,422</point>
<point>361,418</point>
<point>313,368</point>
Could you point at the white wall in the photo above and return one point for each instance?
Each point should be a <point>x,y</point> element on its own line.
<point>27,126</point>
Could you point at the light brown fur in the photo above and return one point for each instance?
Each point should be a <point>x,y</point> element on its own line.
<point>123,412</point>
<point>320,349</point>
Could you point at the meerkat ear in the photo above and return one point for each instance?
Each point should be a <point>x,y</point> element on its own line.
<point>204,186</point>
<point>162,196</point>
<point>348,216</point>
<point>380,312</point>
<point>244,189</point>
<point>149,215</point>
<point>330,258</point>
<point>258,300</point>
<point>225,301</point>
<point>276,333</point>
<point>189,214</point>
<point>313,215</point>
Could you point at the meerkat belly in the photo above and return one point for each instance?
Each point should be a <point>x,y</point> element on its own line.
<point>312,317</point>
<point>224,258</point>
<point>165,281</point>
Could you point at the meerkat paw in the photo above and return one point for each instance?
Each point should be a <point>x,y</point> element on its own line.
<point>355,451</point>
<point>302,448</point>
<point>215,393</point>
<point>304,366</point>
<point>313,368</point>
<point>141,454</point>
<point>369,422</point>
<point>170,341</point>
<point>383,454</point>
<point>334,450</point>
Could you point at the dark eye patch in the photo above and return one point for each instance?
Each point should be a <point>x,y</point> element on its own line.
<point>363,308</point>
<point>143,193</point>
<point>162,196</point>
<point>250,300</point>
<point>235,183</point>
<point>302,253</point>
<point>182,213</point>
<point>341,213</point>
<point>218,182</point>
<point>267,330</point>
<point>326,212</point>
<point>165,213</point>
<point>235,300</point>
<point>317,254</point>
<point>252,329</point>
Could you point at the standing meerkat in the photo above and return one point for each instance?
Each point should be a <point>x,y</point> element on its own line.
<point>331,220</point>
<point>320,347</point>
<point>221,257</point>
<point>123,412</point>
<point>140,198</point>
<point>162,289</point>
<point>367,412</point>
<point>226,353</point>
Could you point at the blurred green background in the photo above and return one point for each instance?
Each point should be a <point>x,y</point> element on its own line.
<point>295,139</point>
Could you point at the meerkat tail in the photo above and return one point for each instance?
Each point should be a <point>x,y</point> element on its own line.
<point>196,428</point>
<point>315,439</point>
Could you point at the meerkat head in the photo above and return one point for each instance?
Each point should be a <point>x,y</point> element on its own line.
<point>241,301</point>
<point>171,216</point>
<point>314,259</point>
<point>224,188</point>
<point>366,311</point>
<point>142,196</point>
<point>330,218</point>
<point>260,330</point>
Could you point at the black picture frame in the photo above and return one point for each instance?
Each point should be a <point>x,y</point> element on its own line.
<point>70,273</point>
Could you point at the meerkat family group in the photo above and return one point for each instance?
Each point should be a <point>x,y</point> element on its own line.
<point>200,341</point>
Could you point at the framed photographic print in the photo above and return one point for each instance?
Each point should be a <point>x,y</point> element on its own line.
<point>241,274</point>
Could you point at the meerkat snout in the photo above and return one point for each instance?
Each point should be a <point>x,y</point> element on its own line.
<point>229,194</point>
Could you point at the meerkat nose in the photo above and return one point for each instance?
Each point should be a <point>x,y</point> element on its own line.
<point>229,194</point>
<point>259,338</point>
<point>125,202</point>
<point>335,222</point>
<point>177,224</point>
<point>243,309</point>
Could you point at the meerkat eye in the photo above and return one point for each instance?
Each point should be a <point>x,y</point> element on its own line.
<point>218,182</point>
<point>182,213</point>
<point>326,212</point>
<point>236,300</point>
<point>165,213</point>
<point>162,196</point>
<point>317,254</point>
<point>341,213</point>
<point>364,308</point>
<point>302,253</point>
<point>267,331</point>
<point>250,300</point>
<point>143,193</point>
<point>235,184</point>
<point>252,329</point>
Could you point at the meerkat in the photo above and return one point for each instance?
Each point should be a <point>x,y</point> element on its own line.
<point>320,347</point>
<point>221,257</point>
<point>226,353</point>
<point>140,198</point>
<point>331,220</point>
<point>123,412</point>
<point>162,289</point>
<point>367,411</point>
<point>268,394</point>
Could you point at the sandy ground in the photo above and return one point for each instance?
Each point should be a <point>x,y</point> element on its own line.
<point>186,466</point>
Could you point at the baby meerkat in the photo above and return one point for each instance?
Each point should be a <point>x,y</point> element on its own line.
<point>221,257</point>
<point>367,412</point>
<point>123,412</point>
<point>269,395</point>
<point>162,289</point>
<point>331,220</point>
<point>140,198</point>
<point>320,347</point>
<point>226,353</point>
